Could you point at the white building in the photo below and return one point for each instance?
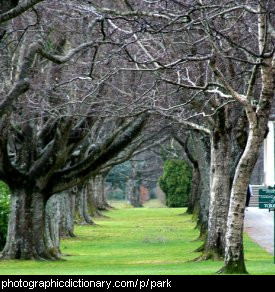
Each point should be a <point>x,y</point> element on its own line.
<point>264,171</point>
<point>269,159</point>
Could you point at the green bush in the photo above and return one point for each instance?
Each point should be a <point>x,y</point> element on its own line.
<point>4,212</point>
<point>176,182</point>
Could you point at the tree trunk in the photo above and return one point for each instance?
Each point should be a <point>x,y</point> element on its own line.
<point>234,256</point>
<point>202,150</point>
<point>133,194</point>
<point>83,214</point>
<point>25,238</point>
<point>52,225</point>
<point>226,150</point>
<point>219,197</point>
<point>59,221</point>
<point>193,203</point>
<point>258,126</point>
<point>99,193</point>
<point>193,200</point>
<point>68,203</point>
<point>91,200</point>
<point>198,149</point>
<point>132,189</point>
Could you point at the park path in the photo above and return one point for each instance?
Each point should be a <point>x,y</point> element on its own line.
<point>259,226</point>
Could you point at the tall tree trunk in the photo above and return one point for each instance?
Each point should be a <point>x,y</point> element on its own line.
<point>197,148</point>
<point>52,225</point>
<point>93,210</point>
<point>258,126</point>
<point>133,194</point>
<point>83,214</point>
<point>99,193</point>
<point>132,188</point>
<point>193,203</point>
<point>228,142</point>
<point>59,221</point>
<point>68,203</point>
<point>234,256</point>
<point>219,197</point>
<point>25,238</point>
<point>201,146</point>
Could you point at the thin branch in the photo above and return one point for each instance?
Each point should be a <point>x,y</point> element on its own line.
<point>240,98</point>
<point>19,9</point>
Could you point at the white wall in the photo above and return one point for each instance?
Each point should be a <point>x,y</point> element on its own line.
<point>269,156</point>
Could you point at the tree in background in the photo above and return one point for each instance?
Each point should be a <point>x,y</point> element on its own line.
<point>117,181</point>
<point>176,182</point>
<point>132,179</point>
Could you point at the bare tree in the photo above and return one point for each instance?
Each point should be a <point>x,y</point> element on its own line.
<point>217,62</point>
<point>196,63</point>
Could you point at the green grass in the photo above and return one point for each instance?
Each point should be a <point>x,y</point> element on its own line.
<point>146,241</point>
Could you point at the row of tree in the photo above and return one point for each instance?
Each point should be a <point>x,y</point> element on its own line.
<point>87,84</point>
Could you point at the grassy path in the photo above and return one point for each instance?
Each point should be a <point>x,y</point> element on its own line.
<point>137,241</point>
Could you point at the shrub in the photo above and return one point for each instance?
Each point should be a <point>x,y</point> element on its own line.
<point>176,182</point>
<point>4,213</point>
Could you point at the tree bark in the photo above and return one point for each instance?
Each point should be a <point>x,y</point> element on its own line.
<point>258,127</point>
<point>25,238</point>
<point>197,148</point>
<point>82,209</point>
<point>234,256</point>
<point>91,199</point>
<point>201,148</point>
<point>52,225</point>
<point>99,193</point>
<point>228,141</point>
<point>68,200</point>
<point>219,197</point>
<point>60,210</point>
<point>132,190</point>
<point>12,9</point>
<point>193,203</point>
<point>133,194</point>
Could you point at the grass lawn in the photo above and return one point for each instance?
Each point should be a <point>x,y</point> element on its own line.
<point>148,241</point>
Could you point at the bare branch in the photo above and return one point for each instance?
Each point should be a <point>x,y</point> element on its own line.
<point>240,98</point>
<point>19,88</point>
<point>19,9</point>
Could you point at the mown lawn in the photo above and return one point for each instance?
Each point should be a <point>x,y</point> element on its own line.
<point>148,241</point>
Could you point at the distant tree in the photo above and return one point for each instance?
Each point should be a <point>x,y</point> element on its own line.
<point>118,176</point>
